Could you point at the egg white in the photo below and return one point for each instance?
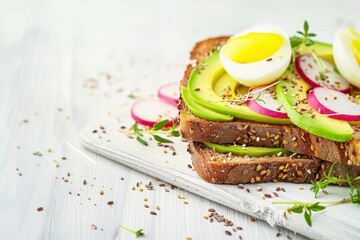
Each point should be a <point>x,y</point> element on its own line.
<point>261,72</point>
<point>344,57</point>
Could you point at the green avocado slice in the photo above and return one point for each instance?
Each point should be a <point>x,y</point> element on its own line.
<point>200,111</point>
<point>292,93</point>
<point>248,150</point>
<point>323,50</point>
<point>201,89</point>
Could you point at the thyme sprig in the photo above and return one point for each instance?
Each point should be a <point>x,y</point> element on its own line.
<point>305,37</point>
<point>309,207</point>
<point>327,179</point>
<point>158,128</point>
<point>138,233</point>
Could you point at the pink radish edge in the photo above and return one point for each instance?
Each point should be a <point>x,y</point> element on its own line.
<point>147,122</point>
<point>256,107</point>
<point>306,78</point>
<point>302,73</point>
<point>317,105</point>
<point>161,94</point>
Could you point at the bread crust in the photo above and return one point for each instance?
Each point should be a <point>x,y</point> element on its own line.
<point>240,131</point>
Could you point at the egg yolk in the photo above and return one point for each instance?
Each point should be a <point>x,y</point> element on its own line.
<point>355,45</point>
<point>252,47</point>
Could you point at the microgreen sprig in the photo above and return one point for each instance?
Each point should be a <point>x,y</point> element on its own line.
<point>138,233</point>
<point>158,128</point>
<point>259,99</point>
<point>321,66</point>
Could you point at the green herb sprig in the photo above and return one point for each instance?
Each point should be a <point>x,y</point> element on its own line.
<point>325,181</point>
<point>304,38</point>
<point>37,153</point>
<point>138,233</point>
<point>309,207</point>
<point>158,128</point>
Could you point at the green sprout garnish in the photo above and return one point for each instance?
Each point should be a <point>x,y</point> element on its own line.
<point>309,207</point>
<point>138,233</point>
<point>158,128</point>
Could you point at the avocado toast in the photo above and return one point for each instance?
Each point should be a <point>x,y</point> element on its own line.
<point>218,132</point>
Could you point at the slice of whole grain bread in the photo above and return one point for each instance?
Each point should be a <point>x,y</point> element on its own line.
<point>217,167</point>
<point>253,133</point>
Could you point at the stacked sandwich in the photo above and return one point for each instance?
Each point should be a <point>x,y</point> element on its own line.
<point>257,107</point>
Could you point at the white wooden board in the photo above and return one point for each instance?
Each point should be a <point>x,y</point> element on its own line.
<point>337,222</point>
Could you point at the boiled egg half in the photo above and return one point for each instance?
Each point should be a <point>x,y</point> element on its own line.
<point>346,50</point>
<point>257,56</point>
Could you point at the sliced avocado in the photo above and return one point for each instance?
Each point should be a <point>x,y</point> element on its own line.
<point>292,95</point>
<point>201,89</point>
<point>323,50</point>
<point>249,151</point>
<point>200,111</point>
<point>226,85</point>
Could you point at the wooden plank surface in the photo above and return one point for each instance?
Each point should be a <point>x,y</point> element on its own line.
<point>107,137</point>
<point>67,63</point>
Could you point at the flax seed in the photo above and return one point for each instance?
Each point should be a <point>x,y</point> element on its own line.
<point>267,195</point>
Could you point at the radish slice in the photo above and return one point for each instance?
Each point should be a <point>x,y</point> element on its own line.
<point>264,101</point>
<point>169,93</point>
<point>309,70</point>
<point>149,111</point>
<point>334,104</point>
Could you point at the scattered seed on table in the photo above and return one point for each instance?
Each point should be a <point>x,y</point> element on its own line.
<point>267,195</point>
<point>40,209</point>
<point>93,227</point>
<point>110,202</point>
<point>228,233</point>
<point>153,213</point>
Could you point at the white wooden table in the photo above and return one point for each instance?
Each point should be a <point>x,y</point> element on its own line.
<point>64,64</point>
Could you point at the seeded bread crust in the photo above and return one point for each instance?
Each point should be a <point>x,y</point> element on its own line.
<point>217,167</point>
<point>252,133</point>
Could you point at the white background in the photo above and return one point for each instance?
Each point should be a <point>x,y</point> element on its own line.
<point>48,52</point>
